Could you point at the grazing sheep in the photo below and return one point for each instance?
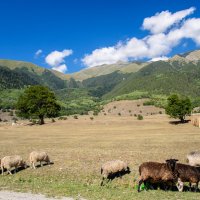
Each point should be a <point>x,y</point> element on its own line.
<point>9,162</point>
<point>155,172</point>
<point>111,169</point>
<point>187,173</point>
<point>193,158</point>
<point>36,156</point>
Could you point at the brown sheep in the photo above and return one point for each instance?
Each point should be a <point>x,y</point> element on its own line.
<point>157,172</point>
<point>187,173</point>
<point>36,156</point>
<point>9,162</point>
<point>114,168</point>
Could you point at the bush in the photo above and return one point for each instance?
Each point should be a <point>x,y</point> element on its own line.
<point>160,112</point>
<point>75,117</point>
<point>11,113</point>
<point>95,113</point>
<point>53,120</point>
<point>3,110</point>
<point>5,120</point>
<point>135,115</point>
<point>119,114</point>
<point>91,118</point>
<point>129,111</point>
<point>138,105</point>
<point>149,103</point>
<point>15,119</point>
<point>0,120</point>
<point>114,107</point>
<point>140,117</point>
<point>105,114</point>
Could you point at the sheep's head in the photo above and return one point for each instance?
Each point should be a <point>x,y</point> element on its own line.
<point>23,164</point>
<point>171,164</point>
<point>128,171</point>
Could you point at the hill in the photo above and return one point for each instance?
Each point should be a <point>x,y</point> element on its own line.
<point>18,74</point>
<point>174,76</point>
<point>108,69</point>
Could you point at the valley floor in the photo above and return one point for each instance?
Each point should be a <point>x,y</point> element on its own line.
<point>78,147</point>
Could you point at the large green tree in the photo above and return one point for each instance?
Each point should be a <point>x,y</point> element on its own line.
<point>178,107</point>
<point>38,101</point>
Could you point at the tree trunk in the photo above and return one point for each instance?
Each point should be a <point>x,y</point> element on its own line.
<point>41,117</point>
<point>182,118</point>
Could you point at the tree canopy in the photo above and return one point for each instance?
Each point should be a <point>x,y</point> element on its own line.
<point>178,107</point>
<point>39,102</point>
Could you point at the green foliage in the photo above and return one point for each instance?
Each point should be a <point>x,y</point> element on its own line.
<point>162,78</point>
<point>140,117</point>
<point>38,101</point>
<point>149,103</point>
<point>178,107</point>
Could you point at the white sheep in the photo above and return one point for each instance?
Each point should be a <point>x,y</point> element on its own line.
<point>36,156</point>
<point>193,158</point>
<point>112,168</point>
<point>8,162</point>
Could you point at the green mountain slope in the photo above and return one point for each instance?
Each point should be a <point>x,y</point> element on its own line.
<point>161,77</point>
<point>17,74</point>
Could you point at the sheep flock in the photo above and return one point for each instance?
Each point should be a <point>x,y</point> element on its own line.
<point>167,175</point>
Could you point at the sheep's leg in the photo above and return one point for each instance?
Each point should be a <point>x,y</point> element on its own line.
<point>15,170</point>
<point>196,187</point>
<point>102,181</point>
<point>190,186</point>
<point>34,165</point>
<point>9,172</point>
<point>2,170</point>
<point>41,164</point>
<point>139,184</point>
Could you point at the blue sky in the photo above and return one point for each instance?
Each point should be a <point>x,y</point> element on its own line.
<point>63,32</point>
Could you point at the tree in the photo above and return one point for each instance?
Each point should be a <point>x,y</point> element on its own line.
<point>178,107</point>
<point>37,101</point>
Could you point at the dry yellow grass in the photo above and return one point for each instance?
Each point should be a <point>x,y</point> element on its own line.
<point>78,147</point>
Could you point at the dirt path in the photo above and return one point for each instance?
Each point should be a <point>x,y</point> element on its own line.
<point>7,195</point>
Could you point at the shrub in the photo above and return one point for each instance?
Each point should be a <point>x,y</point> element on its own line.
<point>140,111</point>
<point>0,120</point>
<point>138,105</point>
<point>95,113</point>
<point>5,120</point>
<point>75,117</point>
<point>11,113</point>
<point>14,119</point>
<point>160,112</point>
<point>53,120</point>
<point>149,103</point>
<point>140,117</point>
<point>129,111</point>
<point>119,114</point>
<point>105,114</point>
<point>91,118</point>
<point>135,115</point>
<point>114,107</point>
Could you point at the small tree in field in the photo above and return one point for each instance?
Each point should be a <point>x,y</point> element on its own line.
<point>178,107</point>
<point>37,101</point>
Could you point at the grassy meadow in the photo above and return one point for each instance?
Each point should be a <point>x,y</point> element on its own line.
<point>78,147</point>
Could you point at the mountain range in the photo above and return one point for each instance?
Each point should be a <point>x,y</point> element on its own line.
<point>179,74</point>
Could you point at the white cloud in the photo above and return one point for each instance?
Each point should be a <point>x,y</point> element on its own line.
<point>56,59</point>
<point>38,52</point>
<point>164,20</point>
<point>159,58</point>
<point>61,68</point>
<point>152,46</point>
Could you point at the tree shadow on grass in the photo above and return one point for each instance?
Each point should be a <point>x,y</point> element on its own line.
<point>179,122</point>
